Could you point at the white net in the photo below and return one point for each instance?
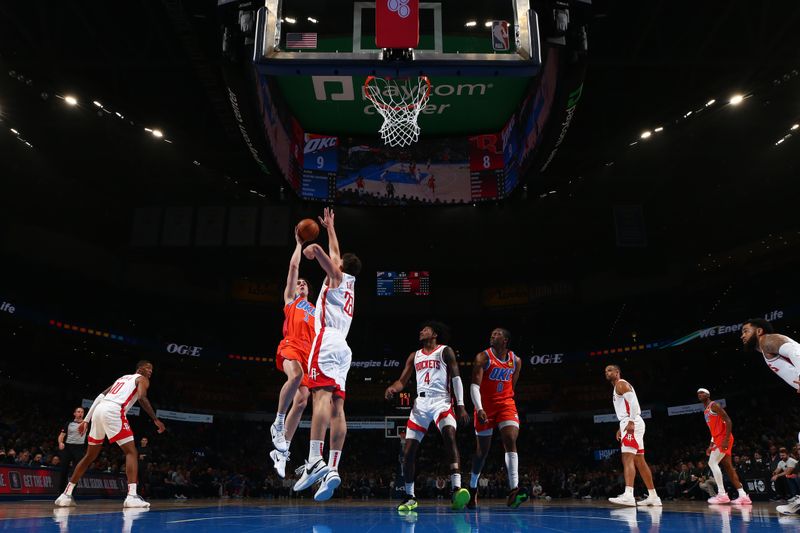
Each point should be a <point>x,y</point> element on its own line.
<point>399,101</point>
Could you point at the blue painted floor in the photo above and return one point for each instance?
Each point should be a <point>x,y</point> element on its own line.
<point>332,518</point>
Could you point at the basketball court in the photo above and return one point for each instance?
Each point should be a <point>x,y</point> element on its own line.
<point>391,103</point>
<point>234,517</point>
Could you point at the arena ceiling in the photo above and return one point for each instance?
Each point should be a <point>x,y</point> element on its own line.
<point>710,180</point>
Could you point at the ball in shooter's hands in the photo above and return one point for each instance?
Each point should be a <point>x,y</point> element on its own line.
<point>308,230</point>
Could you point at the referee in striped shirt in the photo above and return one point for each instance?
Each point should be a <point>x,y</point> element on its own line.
<point>71,444</point>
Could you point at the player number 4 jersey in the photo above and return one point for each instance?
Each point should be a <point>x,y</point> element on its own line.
<point>335,306</point>
<point>431,372</point>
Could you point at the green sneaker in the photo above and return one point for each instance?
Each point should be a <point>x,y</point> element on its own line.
<point>409,504</point>
<point>460,499</point>
<point>516,498</point>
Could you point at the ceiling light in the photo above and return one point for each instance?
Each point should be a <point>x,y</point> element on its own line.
<point>290,20</point>
<point>471,24</point>
<point>710,102</point>
<point>736,99</point>
<point>15,132</point>
<point>488,24</point>
<point>157,133</point>
<point>98,104</point>
<point>779,141</point>
<point>794,127</point>
<point>148,130</point>
<point>687,114</point>
<point>660,128</point>
<point>311,19</point>
<point>71,100</point>
<point>645,134</point>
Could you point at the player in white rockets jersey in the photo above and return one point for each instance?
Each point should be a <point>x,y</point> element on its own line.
<point>329,361</point>
<point>433,364</point>
<point>781,353</point>
<point>108,419</point>
<point>782,356</point>
<point>631,437</point>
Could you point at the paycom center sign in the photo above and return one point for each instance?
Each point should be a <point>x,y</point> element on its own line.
<point>457,105</point>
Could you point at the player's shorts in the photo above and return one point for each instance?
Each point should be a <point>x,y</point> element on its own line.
<point>329,362</point>
<point>108,420</point>
<point>500,416</point>
<point>632,443</point>
<point>718,448</point>
<point>293,354</point>
<point>437,409</point>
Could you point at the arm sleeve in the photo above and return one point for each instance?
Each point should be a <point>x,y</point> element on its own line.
<point>97,400</point>
<point>792,351</point>
<point>458,390</point>
<point>475,392</point>
<point>633,405</point>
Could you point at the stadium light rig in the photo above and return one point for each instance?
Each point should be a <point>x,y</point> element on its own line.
<point>736,99</point>
<point>71,100</point>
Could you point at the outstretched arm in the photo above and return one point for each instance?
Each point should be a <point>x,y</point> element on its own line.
<point>333,241</point>
<point>402,381</point>
<point>315,251</point>
<point>517,370</point>
<point>144,384</point>
<point>294,270</point>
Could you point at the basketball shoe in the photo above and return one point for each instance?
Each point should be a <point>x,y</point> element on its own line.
<point>279,461</point>
<point>329,484</point>
<point>310,474</point>
<point>516,497</point>
<point>409,504</point>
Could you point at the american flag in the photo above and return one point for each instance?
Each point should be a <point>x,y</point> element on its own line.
<point>301,40</point>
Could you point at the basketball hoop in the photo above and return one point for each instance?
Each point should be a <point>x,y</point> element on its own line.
<point>399,101</point>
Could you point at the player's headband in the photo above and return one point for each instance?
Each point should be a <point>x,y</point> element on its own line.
<point>704,390</point>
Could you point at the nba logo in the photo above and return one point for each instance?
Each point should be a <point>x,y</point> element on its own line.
<point>500,35</point>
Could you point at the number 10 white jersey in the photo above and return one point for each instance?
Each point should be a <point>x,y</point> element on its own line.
<point>431,372</point>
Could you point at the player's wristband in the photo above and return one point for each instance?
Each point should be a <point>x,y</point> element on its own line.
<point>100,398</point>
<point>458,390</point>
<point>475,392</point>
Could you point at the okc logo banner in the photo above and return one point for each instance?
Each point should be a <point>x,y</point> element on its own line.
<point>400,7</point>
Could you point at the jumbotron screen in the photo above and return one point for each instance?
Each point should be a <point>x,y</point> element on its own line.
<point>413,283</point>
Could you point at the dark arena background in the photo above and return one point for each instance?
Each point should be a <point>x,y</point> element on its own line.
<point>613,182</point>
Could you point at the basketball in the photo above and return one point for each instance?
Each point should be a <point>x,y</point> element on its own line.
<point>308,230</point>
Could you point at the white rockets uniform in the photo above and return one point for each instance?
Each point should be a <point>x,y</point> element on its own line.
<point>330,357</point>
<point>108,419</point>
<point>630,443</point>
<point>433,402</point>
<point>787,367</point>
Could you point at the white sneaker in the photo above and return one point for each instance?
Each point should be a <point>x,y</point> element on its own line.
<point>65,501</point>
<point>654,501</point>
<point>789,508</point>
<point>311,473</point>
<point>134,500</point>
<point>624,499</point>
<point>279,459</point>
<point>329,483</point>
<point>279,438</point>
